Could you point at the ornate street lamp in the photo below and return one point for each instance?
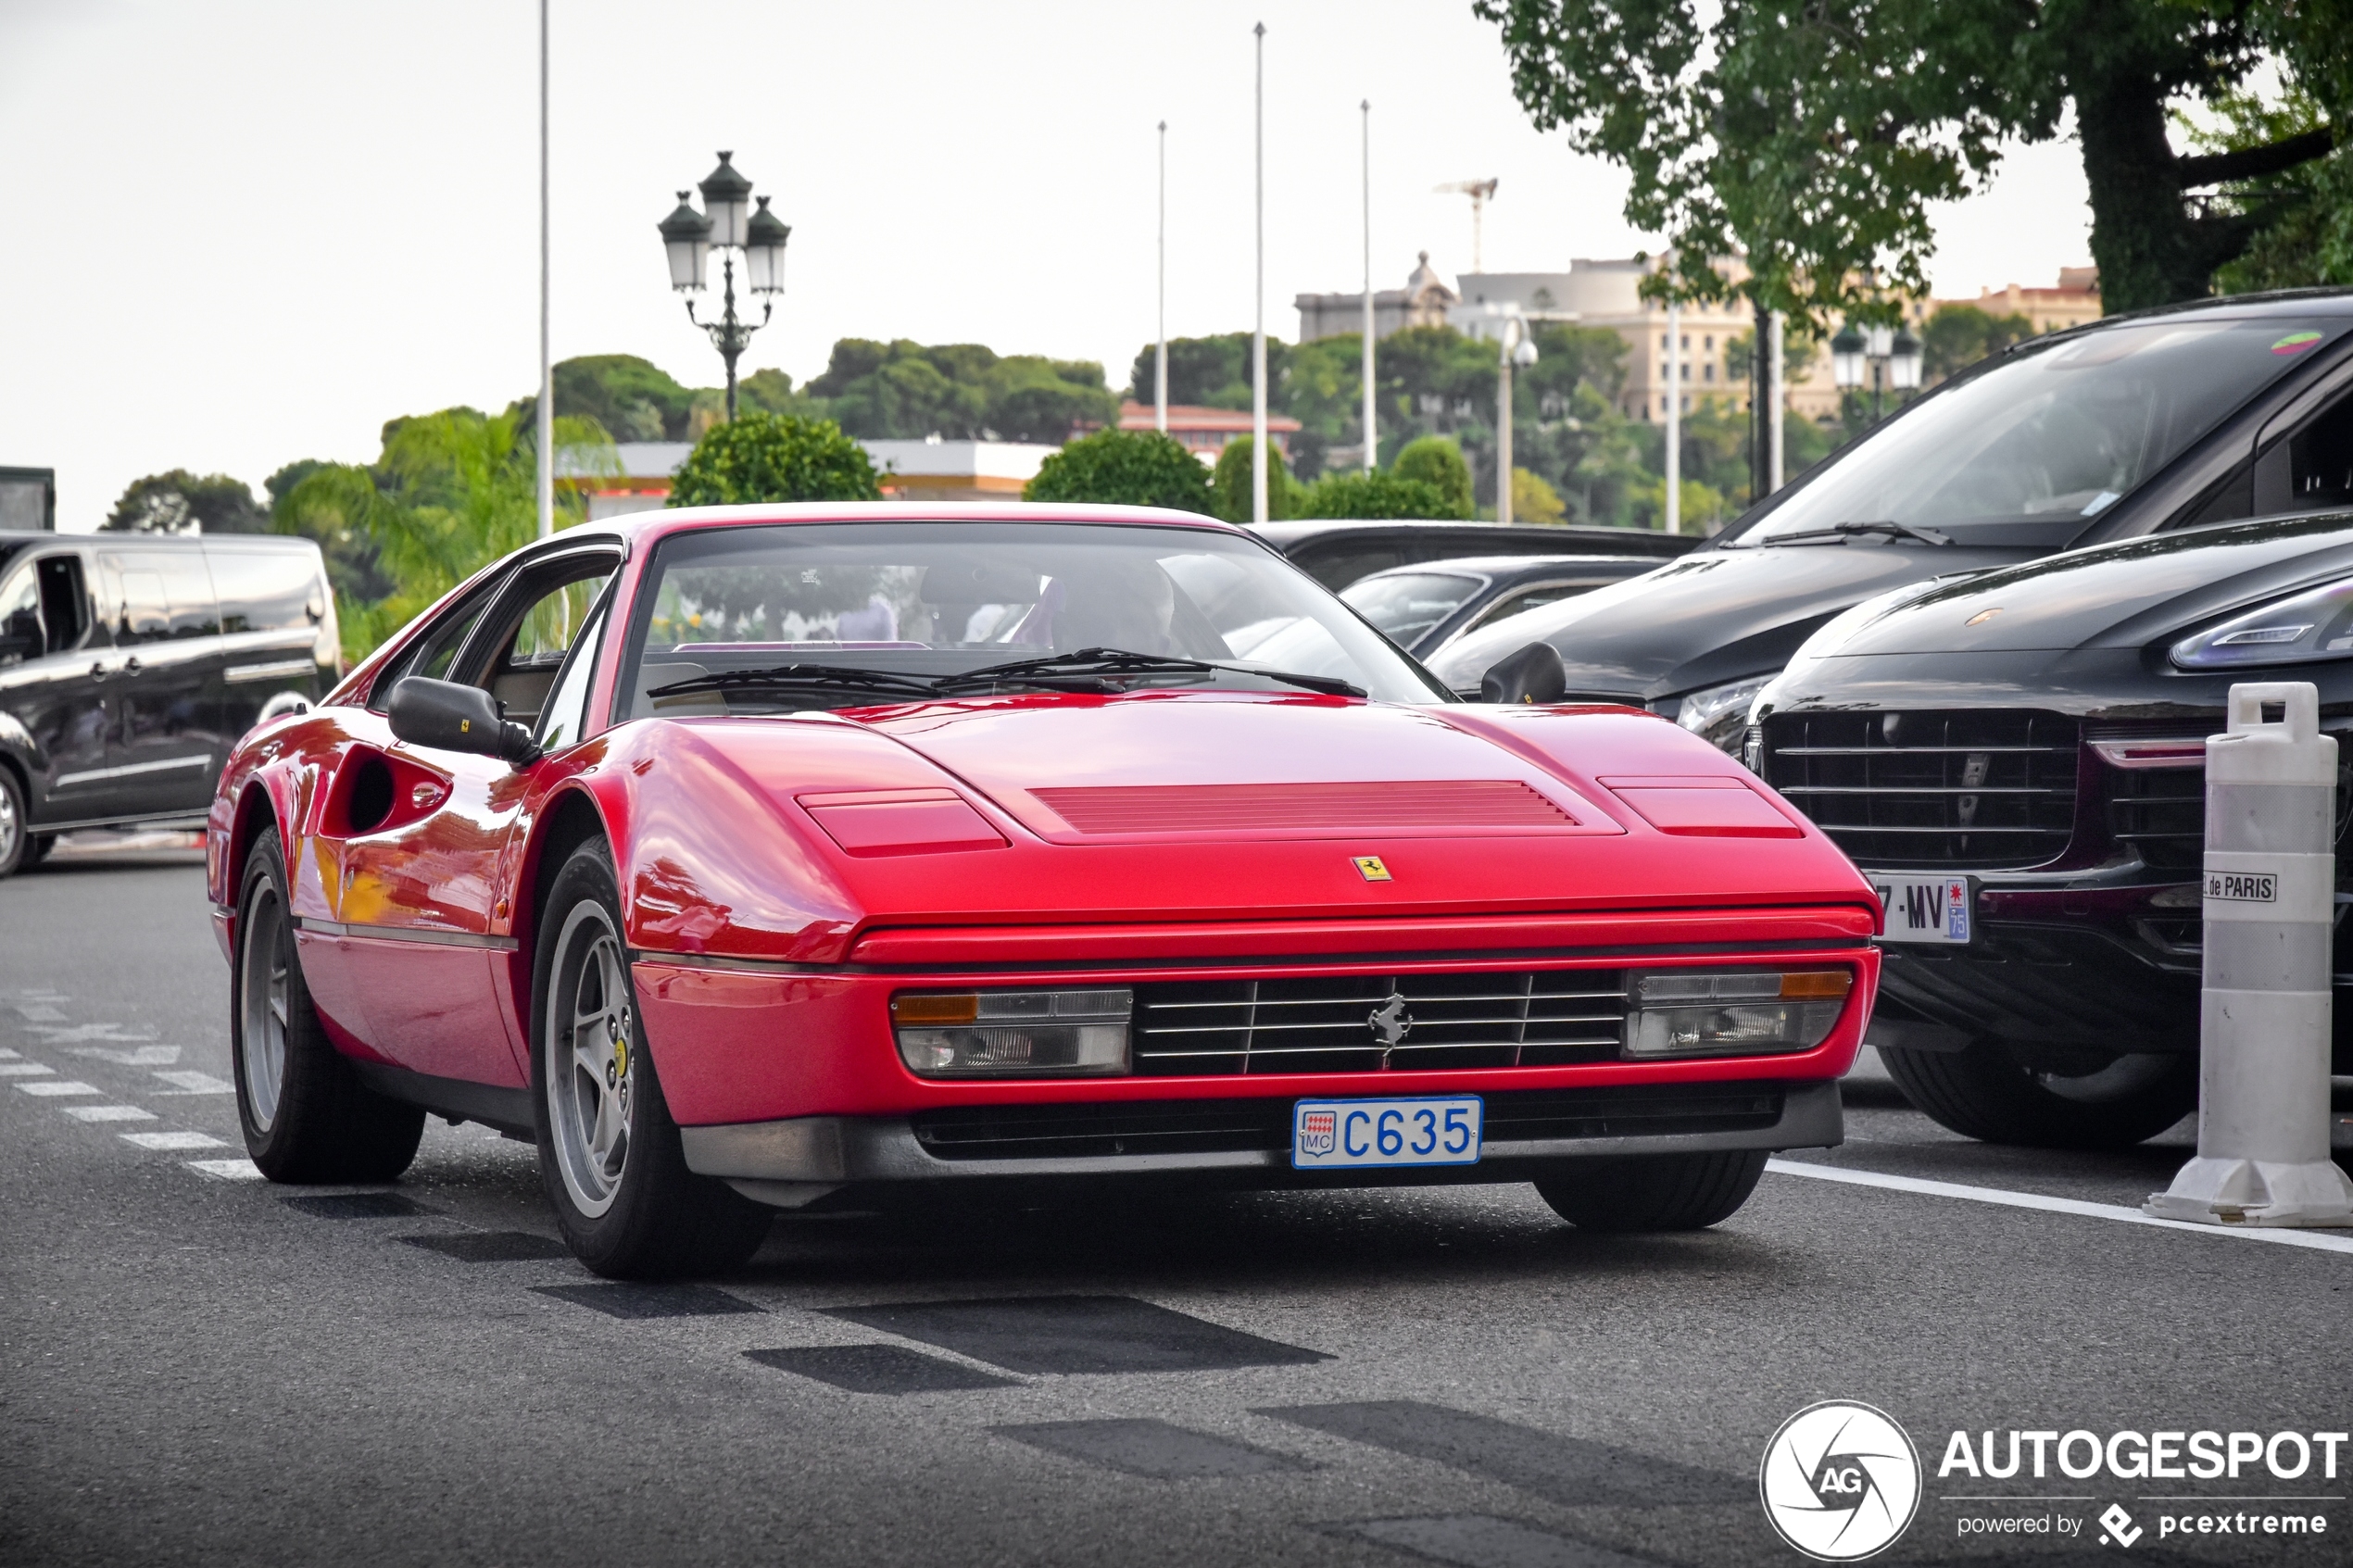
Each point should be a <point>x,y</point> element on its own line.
<point>1887,357</point>
<point>728,224</point>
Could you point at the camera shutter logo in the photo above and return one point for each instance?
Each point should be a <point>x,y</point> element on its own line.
<point>1841,1481</point>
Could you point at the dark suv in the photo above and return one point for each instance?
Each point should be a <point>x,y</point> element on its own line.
<point>129,664</point>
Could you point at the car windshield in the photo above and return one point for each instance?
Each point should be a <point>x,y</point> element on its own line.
<point>1407,604</point>
<point>789,618</point>
<point>2030,451</point>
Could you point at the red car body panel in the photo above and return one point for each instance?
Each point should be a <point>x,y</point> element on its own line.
<point>784,877</point>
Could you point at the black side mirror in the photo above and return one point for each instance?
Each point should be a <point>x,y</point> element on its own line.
<point>449,717</point>
<point>1533,674</point>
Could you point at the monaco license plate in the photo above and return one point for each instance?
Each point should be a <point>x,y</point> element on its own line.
<point>1339,1135</point>
<point>1926,909</point>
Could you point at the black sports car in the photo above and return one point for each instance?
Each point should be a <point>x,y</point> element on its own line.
<point>2133,426</point>
<point>2015,760</point>
<point>1423,607</point>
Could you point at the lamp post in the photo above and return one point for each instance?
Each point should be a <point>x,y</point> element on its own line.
<point>1258,513</point>
<point>1888,357</point>
<point>1372,440</point>
<point>1160,353</point>
<point>1516,348</point>
<point>727,225</point>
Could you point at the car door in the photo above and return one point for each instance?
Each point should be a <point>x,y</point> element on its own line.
<point>53,701</point>
<point>163,681</point>
<point>417,835</point>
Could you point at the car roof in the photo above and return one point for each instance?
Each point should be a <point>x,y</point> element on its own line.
<point>15,536</point>
<point>647,526</point>
<point>1497,566</point>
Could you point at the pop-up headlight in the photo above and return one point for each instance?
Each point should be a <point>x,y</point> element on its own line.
<point>1720,1013</point>
<point>1012,1034</point>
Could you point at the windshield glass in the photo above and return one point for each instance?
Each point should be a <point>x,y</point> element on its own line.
<point>2027,453</point>
<point>852,615</point>
<point>1407,604</point>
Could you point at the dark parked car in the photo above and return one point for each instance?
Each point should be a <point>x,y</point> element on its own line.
<point>130,663</point>
<point>2135,425</point>
<point>1422,609</point>
<point>2017,761</point>
<point>1337,552</point>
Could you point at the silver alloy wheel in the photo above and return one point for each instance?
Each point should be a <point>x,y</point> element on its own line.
<point>591,1050</point>
<point>261,988</point>
<point>11,826</point>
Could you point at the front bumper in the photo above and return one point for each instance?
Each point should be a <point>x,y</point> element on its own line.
<point>843,1161</point>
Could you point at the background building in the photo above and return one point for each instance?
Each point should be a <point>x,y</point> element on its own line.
<point>1204,431</point>
<point>1423,302</point>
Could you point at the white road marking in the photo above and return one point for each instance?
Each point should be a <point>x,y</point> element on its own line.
<point>57,1086</point>
<point>107,1114</point>
<point>22,1070</point>
<point>173,1140</point>
<point>58,1036</point>
<point>39,1012</point>
<point>226,1170</point>
<point>195,1083</point>
<point>145,1055</point>
<point>2325,1241</point>
<point>7,1055</point>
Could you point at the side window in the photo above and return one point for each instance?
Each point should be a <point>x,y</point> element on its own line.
<point>564,719</point>
<point>434,649</point>
<point>519,677</point>
<point>21,633</point>
<point>65,604</point>
<point>162,594</point>
<point>1531,597</point>
<point>265,590</point>
<point>2312,470</point>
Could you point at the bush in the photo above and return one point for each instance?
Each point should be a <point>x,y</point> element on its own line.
<point>1231,483</point>
<point>1372,496</point>
<point>1533,499</point>
<point>1130,468</point>
<point>775,457</point>
<point>1437,462</point>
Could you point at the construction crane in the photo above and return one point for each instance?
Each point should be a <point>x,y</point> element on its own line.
<point>1480,191</point>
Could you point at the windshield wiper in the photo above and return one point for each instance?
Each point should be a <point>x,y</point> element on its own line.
<point>1097,666</point>
<point>802,677</point>
<point>1840,533</point>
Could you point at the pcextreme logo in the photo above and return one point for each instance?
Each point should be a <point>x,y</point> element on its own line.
<point>1839,1481</point>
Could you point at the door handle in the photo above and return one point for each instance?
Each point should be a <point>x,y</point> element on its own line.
<point>98,670</point>
<point>131,665</point>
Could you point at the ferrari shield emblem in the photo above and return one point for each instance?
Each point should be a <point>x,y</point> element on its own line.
<point>1369,868</point>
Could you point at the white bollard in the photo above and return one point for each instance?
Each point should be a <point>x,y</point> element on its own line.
<point>2271,907</point>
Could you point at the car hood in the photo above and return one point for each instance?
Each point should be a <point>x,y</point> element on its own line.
<point>1714,616</point>
<point>2127,594</point>
<point>787,838</point>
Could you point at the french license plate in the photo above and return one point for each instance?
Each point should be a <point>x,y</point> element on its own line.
<point>1928,909</point>
<point>1341,1134</point>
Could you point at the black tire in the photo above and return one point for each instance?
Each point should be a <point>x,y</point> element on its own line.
<point>1654,1192</point>
<point>16,829</point>
<point>1988,1093</point>
<point>610,1156</point>
<point>316,1121</point>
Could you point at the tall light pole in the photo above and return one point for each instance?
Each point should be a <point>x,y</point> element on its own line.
<point>1258,330</point>
<point>546,366</point>
<point>1516,347</point>
<point>1372,438</point>
<point>728,224</point>
<point>1160,355</point>
<point>1774,459</point>
<point>1674,416</point>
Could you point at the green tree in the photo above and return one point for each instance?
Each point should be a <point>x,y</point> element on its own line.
<point>1229,484</point>
<point>1813,142</point>
<point>1375,495</point>
<point>1533,500</point>
<point>180,502</point>
<point>1134,468</point>
<point>1209,373</point>
<point>2304,213</point>
<point>775,457</point>
<point>961,392</point>
<point>355,567</point>
<point>1437,462</point>
<point>1958,336</point>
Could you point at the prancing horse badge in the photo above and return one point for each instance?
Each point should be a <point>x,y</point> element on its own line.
<point>1369,868</point>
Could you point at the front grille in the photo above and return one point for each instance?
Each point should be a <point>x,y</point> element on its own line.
<point>1223,1126</point>
<point>2161,812</point>
<point>1541,1018</point>
<point>1970,789</point>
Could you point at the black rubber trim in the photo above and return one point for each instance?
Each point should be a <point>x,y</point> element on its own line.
<point>508,1110</point>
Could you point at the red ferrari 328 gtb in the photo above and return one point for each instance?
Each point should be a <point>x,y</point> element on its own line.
<point>814,857</point>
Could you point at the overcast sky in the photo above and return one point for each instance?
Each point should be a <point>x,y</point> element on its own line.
<point>241,232</point>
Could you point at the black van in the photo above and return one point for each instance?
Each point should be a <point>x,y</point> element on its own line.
<point>130,663</point>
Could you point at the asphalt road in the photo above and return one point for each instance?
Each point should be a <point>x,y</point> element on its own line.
<point>200,1368</point>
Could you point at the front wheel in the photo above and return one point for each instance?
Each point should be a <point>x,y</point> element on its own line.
<point>16,834</point>
<point>1654,1192</point>
<point>1989,1092</point>
<point>610,1156</point>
